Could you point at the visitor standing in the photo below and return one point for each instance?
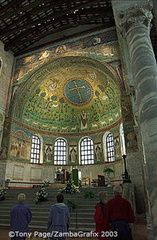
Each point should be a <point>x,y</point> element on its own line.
<point>119,214</point>
<point>58,220</point>
<point>99,216</point>
<point>20,217</point>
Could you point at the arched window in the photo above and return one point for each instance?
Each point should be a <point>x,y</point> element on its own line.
<point>110,148</point>
<point>87,151</point>
<point>35,149</point>
<point>60,152</point>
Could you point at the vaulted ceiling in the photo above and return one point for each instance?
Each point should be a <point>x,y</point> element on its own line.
<point>25,22</point>
<point>26,25</point>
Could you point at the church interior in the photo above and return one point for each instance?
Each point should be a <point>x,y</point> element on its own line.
<point>78,96</point>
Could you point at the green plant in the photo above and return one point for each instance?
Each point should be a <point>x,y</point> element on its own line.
<point>70,188</point>
<point>7,180</point>
<point>108,170</point>
<point>2,194</point>
<point>58,170</point>
<point>46,183</point>
<point>71,205</point>
<point>89,194</point>
<point>41,195</point>
<point>79,183</point>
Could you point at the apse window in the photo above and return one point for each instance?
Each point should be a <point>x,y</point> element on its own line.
<point>110,148</point>
<point>60,152</point>
<point>87,151</point>
<point>35,149</point>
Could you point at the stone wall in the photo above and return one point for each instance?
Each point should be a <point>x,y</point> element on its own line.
<point>22,174</point>
<point>6,66</point>
<point>93,171</point>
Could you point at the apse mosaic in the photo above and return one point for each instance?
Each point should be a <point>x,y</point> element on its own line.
<point>101,45</point>
<point>72,94</point>
<point>70,87</point>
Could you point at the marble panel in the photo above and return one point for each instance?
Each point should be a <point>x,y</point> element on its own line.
<point>35,174</point>
<point>18,172</point>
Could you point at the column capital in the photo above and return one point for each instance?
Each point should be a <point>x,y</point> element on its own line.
<point>132,17</point>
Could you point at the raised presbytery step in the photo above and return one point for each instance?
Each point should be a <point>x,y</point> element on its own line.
<point>82,220</point>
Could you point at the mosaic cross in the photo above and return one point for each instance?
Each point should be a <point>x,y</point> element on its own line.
<point>77,88</point>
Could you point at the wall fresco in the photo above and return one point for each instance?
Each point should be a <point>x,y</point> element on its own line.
<point>73,154</point>
<point>48,153</point>
<point>21,137</point>
<point>129,123</point>
<point>20,145</point>
<point>98,151</point>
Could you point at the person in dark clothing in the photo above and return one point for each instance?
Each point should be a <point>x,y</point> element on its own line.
<point>58,219</point>
<point>119,214</point>
<point>20,217</point>
<point>99,216</point>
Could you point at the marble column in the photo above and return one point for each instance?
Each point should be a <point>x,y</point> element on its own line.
<point>133,20</point>
<point>134,157</point>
